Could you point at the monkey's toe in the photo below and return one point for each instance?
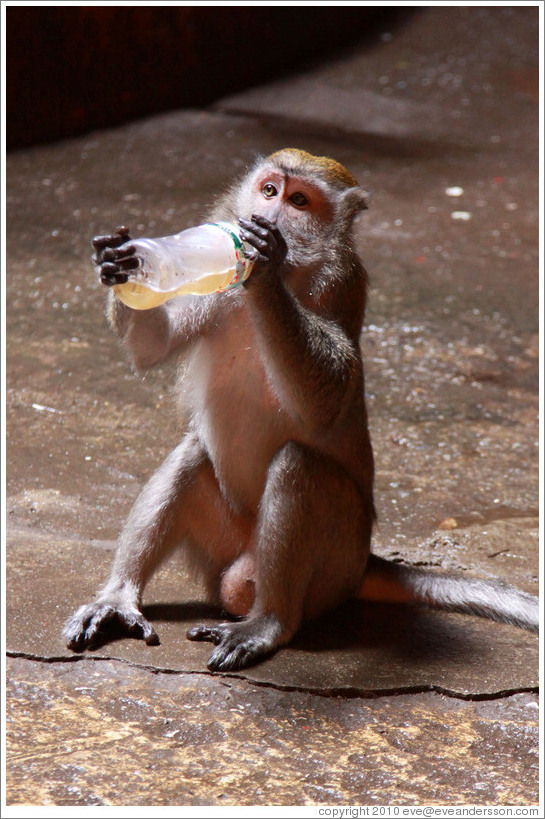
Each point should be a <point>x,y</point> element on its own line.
<point>75,640</point>
<point>139,626</point>
<point>81,630</point>
<point>231,658</point>
<point>203,633</point>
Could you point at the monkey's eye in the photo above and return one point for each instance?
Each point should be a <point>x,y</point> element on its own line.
<point>299,200</point>
<point>268,190</point>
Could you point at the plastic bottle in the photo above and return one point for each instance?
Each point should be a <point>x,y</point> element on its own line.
<point>201,260</point>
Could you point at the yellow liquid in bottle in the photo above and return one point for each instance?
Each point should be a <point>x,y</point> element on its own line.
<point>139,297</point>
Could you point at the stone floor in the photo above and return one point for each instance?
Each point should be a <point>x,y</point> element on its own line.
<point>374,705</point>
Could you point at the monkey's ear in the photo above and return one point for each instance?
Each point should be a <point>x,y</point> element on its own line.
<point>354,200</point>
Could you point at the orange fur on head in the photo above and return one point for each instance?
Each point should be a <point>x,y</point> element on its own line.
<point>331,171</point>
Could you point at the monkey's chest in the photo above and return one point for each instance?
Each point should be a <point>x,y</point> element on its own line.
<point>236,413</point>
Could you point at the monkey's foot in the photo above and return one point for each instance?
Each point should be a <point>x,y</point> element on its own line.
<point>89,625</point>
<point>239,644</point>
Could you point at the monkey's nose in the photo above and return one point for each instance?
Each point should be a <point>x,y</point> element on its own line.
<point>272,214</point>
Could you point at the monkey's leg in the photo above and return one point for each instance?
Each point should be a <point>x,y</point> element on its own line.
<point>311,546</point>
<point>180,502</point>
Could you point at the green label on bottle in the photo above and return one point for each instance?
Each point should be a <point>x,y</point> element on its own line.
<point>242,266</point>
<point>226,227</point>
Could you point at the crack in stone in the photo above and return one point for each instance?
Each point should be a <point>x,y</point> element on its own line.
<point>328,693</point>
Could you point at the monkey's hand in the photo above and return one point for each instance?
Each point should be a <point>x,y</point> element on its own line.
<point>269,248</point>
<point>112,262</point>
<point>89,625</point>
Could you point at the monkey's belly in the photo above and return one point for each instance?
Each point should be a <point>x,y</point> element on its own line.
<point>236,415</point>
<point>241,452</point>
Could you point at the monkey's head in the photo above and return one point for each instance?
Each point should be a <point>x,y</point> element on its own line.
<point>312,199</point>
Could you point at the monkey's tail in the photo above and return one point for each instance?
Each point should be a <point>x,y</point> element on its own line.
<point>389,582</point>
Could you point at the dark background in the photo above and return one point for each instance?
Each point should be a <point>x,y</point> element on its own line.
<point>73,70</point>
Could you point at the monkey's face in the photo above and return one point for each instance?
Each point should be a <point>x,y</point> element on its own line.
<point>311,200</point>
<point>301,208</point>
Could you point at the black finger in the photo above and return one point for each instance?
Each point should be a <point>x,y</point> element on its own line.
<point>252,255</point>
<point>129,263</point>
<point>272,229</point>
<point>125,250</point>
<point>112,279</point>
<point>150,636</point>
<point>77,643</point>
<point>108,269</point>
<point>254,230</point>
<point>101,242</point>
<point>112,254</point>
<point>257,257</point>
<point>213,634</point>
<point>119,259</point>
<point>198,633</point>
<point>264,222</point>
<point>101,619</point>
<point>119,238</point>
<point>255,241</point>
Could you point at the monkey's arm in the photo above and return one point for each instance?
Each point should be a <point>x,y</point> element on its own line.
<point>150,336</point>
<point>311,360</point>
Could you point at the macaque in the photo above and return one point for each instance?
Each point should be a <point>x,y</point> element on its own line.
<point>270,490</point>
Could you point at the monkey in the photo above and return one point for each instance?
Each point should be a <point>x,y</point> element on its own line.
<point>270,489</point>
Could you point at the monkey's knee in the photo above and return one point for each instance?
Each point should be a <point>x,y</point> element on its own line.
<point>237,589</point>
<point>292,461</point>
<point>298,470</point>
